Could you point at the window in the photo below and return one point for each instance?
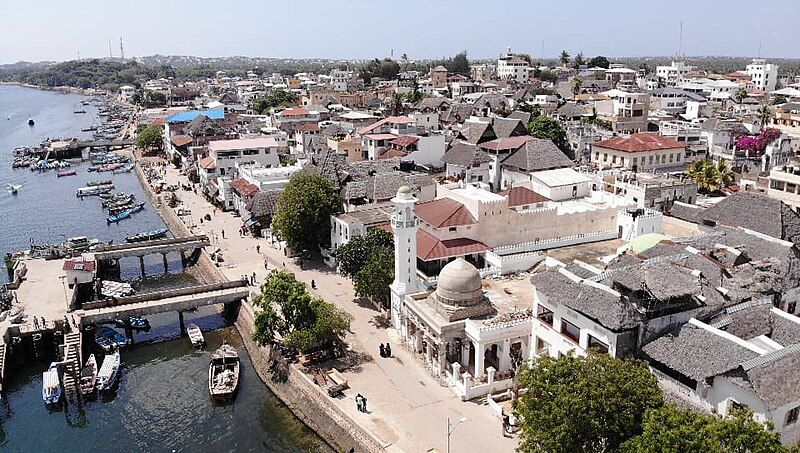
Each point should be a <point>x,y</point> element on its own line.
<point>597,345</point>
<point>544,315</point>
<point>570,330</point>
<point>452,229</point>
<point>791,415</point>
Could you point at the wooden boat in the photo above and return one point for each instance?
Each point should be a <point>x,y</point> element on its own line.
<point>117,201</point>
<point>61,174</point>
<point>123,169</point>
<point>108,372</point>
<point>51,387</point>
<point>223,372</point>
<point>113,195</point>
<point>88,376</point>
<point>93,190</point>
<point>147,235</point>
<point>125,214</point>
<point>195,335</point>
<point>100,182</point>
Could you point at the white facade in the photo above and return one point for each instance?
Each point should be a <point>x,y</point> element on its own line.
<point>514,68</point>
<point>677,71</point>
<point>227,154</point>
<point>404,225</point>
<point>763,75</point>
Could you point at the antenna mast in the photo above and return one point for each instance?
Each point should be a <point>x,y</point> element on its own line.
<point>121,49</point>
<point>680,43</point>
<point>110,55</point>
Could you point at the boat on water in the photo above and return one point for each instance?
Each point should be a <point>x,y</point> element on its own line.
<point>123,169</point>
<point>223,372</point>
<point>89,376</point>
<point>61,174</point>
<point>134,322</point>
<point>80,243</point>
<point>118,201</point>
<point>109,339</point>
<point>147,235</point>
<point>31,122</point>
<point>100,182</point>
<point>93,190</point>
<point>51,387</point>
<point>195,335</point>
<point>113,195</point>
<point>125,214</point>
<point>89,129</point>
<point>108,371</point>
<point>79,111</point>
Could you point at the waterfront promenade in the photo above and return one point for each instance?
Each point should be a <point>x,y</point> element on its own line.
<point>408,408</point>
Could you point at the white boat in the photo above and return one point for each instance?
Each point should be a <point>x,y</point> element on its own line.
<point>89,376</point>
<point>51,387</point>
<point>93,190</point>
<point>108,372</point>
<point>223,372</point>
<point>195,335</point>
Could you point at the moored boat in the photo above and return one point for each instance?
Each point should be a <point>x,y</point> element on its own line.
<point>31,122</point>
<point>134,322</point>
<point>223,372</point>
<point>88,376</point>
<point>118,201</point>
<point>100,182</point>
<point>147,235</point>
<point>195,335</point>
<point>61,174</point>
<point>125,214</point>
<point>51,387</point>
<point>93,190</point>
<point>108,371</point>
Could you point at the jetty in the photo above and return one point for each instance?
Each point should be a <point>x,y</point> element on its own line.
<point>111,254</point>
<point>72,358</point>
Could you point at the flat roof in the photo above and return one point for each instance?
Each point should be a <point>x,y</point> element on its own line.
<point>242,143</point>
<point>476,193</point>
<point>559,177</point>
<point>189,115</point>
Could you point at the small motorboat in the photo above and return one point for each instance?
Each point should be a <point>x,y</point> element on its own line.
<point>223,372</point>
<point>88,376</point>
<point>61,174</point>
<point>109,339</point>
<point>31,122</point>
<point>134,322</point>
<point>93,190</point>
<point>118,201</point>
<point>13,189</point>
<point>100,182</point>
<point>108,371</point>
<point>195,335</point>
<point>51,386</point>
<point>125,214</point>
<point>147,235</point>
<point>79,111</point>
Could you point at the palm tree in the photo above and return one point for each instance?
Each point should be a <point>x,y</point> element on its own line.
<point>764,115</point>
<point>576,86</point>
<point>564,58</point>
<point>740,94</point>
<point>404,59</point>
<point>705,174</point>
<point>724,174</point>
<point>660,82</point>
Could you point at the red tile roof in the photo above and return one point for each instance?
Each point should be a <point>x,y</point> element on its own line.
<point>641,142</point>
<point>429,247</point>
<point>307,127</point>
<point>501,144</point>
<point>444,212</point>
<point>244,188</point>
<point>393,153</point>
<point>297,111</point>
<point>518,196</point>
<point>181,140</point>
<point>208,163</point>
<point>389,120</point>
<point>405,140</point>
<point>78,265</point>
<point>158,121</point>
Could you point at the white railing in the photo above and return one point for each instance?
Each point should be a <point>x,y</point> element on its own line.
<point>555,242</point>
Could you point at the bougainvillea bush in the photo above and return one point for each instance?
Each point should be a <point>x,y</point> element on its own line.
<point>755,145</point>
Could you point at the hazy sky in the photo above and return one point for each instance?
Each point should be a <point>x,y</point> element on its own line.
<point>58,29</point>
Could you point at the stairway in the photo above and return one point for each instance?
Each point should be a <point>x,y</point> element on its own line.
<point>72,360</point>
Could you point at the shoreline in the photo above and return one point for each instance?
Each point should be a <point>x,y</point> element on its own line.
<point>299,396</point>
<point>60,89</point>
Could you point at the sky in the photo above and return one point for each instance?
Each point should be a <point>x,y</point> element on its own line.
<point>343,29</point>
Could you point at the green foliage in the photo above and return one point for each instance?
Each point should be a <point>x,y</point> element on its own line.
<point>149,137</point>
<point>710,177</point>
<point>599,62</point>
<point>373,280</point>
<point>149,98</point>
<point>459,64</point>
<point>303,210</point>
<point>288,310</point>
<point>545,76</point>
<point>578,60</point>
<point>93,73</point>
<point>577,82</point>
<point>386,69</point>
<point>564,57</point>
<point>275,98</point>
<point>550,128</point>
<point>356,253</point>
<point>740,94</point>
<point>669,429</point>
<point>589,404</point>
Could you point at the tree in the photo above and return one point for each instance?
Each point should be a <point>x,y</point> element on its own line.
<point>564,58</point>
<point>739,95</point>
<point>672,430</point>
<point>708,176</point>
<point>149,98</point>
<point>353,255</point>
<point>273,99</point>
<point>386,69</point>
<point>459,64</point>
<point>578,60</point>
<point>550,128</point>
<point>545,76</point>
<point>764,115</point>
<point>576,86</point>
<point>373,280</point>
<point>303,211</point>
<point>599,62</point>
<point>723,173</point>
<point>149,138</point>
<point>588,404</point>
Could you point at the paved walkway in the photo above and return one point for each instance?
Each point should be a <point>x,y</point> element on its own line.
<point>407,407</point>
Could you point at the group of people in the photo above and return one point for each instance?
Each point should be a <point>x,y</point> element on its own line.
<point>361,403</point>
<point>386,351</point>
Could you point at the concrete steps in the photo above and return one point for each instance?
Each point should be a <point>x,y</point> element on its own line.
<point>72,367</point>
<point>2,364</point>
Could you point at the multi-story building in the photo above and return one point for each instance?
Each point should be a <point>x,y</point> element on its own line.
<point>763,75</point>
<point>512,67</point>
<point>784,185</point>
<point>676,72</point>
<point>626,111</point>
<point>641,152</point>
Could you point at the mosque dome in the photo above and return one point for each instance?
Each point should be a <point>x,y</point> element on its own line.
<point>459,284</point>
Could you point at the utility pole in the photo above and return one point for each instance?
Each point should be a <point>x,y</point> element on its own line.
<point>121,49</point>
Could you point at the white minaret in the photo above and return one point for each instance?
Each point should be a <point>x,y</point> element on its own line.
<point>404,225</point>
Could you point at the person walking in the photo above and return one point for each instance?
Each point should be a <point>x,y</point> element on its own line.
<point>266,264</point>
<point>383,350</point>
<point>223,234</point>
<point>359,402</point>
<point>313,284</point>
<point>258,250</point>
<point>364,404</point>
<point>388,350</point>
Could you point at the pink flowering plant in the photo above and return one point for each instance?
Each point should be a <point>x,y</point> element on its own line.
<point>755,145</point>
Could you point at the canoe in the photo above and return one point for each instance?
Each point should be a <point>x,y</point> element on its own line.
<point>125,214</point>
<point>61,174</point>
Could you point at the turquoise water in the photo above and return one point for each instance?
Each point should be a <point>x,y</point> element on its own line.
<point>162,402</point>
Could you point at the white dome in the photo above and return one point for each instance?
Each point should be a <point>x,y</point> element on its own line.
<point>459,283</point>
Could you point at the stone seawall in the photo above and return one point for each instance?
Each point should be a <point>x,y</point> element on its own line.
<point>305,400</point>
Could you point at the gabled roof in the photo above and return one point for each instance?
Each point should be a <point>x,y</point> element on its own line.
<point>429,247</point>
<point>388,120</point>
<point>181,140</point>
<point>405,140</point>
<point>508,127</point>
<point>537,154</point>
<point>506,144</point>
<point>640,142</point>
<point>475,132</point>
<point>755,212</point>
<point>520,195</point>
<point>444,213</point>
<point>465,155</point>
<point>307,127</point>
<point>208,163</point>
<point>244,188</point>
<point>295,111</point>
